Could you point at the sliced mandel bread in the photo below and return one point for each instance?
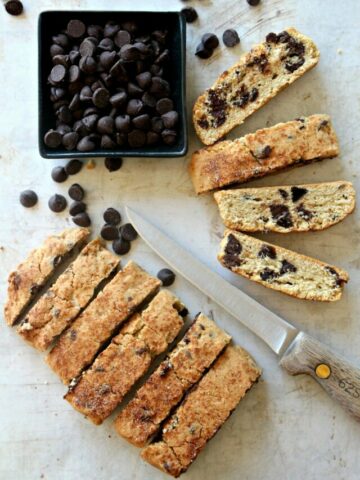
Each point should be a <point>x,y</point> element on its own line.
<point>281,269</point>
<point>290,144</point>
<point>296,208</point>
<point>258,76</point>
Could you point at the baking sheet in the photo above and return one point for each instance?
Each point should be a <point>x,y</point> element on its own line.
<point>286,427</point>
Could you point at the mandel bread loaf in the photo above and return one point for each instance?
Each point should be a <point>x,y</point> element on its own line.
<point>293,208</point>
<point>266,151</point>
<point>281,269</point>
<point>248,85</point>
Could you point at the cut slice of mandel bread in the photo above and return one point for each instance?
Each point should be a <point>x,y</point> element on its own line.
<point>293,208</point>
<point>259,75</point>
<point>264,152</point>
<point>281,269</point>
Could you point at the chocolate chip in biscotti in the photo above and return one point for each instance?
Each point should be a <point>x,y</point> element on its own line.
<point>112,216</point>
<point>76,192</point>
<point>28,198</point>
<point>268,274</point>
<point>113,163</point>
<point>304,212</point>
<point>73,167</point>
<point>57,203</point>
<point>190,14</point>
<point>109,232</point>
<point>263,152</point>
<point>14,7</point>
<point>230,38</point>
<point>287,267</point>
<point>58,174</point>
<point>283,193</point>
<point>233,246</point>
<point>281,215</point>
<point>166,276</point>
<point>121,246</point>
<point>267,251</point>
<point>128,232</point>
<point>82,219</point>
<point>297,193</point>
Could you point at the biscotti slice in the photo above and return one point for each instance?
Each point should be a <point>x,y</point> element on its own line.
<point>32,274</point>
<point>128,357</point>
<point>79,344</point>
<point>203,412</point>
<point>140,420</point>
<point>296,208</point>
<point>290,144</point>
<point>281,269</point>
<point>258,76</point>
<point>71,292</point>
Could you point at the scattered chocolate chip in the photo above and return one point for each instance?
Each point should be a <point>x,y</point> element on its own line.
<point>230,38</point>
<point>121,246</point>
<point>73,167</point>
<point>281,215</point>
<point>271,37</point>
<point>77,207</point>
<point>184,312</point>
<point>28,198</point>
<point>166,276</point>
<point>287,267</point>
<point>190,14</point>
<point>57,203</point>
<point>109,232</point>
<point>14,7</point>
<point>82,219</point>
<point>268,274</point>
<point>267,251</point>
<point>297,193</point>
<point>113,163</point>
<point>203,52</point>
<point>112,216</point>
<point>58,174</point>
<point>76,192</point>
<point>210,41</point>
<point>283,193</point>
<point>253,3</point>
<point>128,232</point>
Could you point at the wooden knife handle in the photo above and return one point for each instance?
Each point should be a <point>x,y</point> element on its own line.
<point>338,377</point>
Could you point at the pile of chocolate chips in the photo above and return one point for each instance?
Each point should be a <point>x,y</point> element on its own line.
<point>108,87</point>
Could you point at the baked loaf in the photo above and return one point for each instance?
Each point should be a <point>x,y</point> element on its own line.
<point>296,208</point>
<point>203,412</point>
<point>140,420</point>
<point>266,151</point>
<point>32,274</point>
<point>281,269</point>
<point>79,344</point>
<point>148,334</point>
<point>71,292</point>
<point>258,76</point>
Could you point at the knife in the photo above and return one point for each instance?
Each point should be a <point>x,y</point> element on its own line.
<point>298,352</point>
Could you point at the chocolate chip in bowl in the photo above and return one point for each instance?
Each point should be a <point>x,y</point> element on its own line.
<point>104,76</point>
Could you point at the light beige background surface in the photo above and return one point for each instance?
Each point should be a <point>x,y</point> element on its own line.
<point>287,428</point>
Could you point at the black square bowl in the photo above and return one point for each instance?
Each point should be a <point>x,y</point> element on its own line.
<point>53,22</point>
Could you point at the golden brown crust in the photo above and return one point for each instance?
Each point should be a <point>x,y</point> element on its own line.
<point>24,282</point>
<point>72,291</point>
<point>264,152</point>
<point>307,207</point>
<point>248,85</point>
<point>281,269</point>
<point>128,357</point>
<point>203,412</point>
<point>141,418</point>
<point>78,345</point>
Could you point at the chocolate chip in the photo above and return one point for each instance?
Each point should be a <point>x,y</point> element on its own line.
<point>52,139</point>
<point>109,232</point>
<point>85,145</point>
<point>64,114</point>
<point>166,276</point>
<point>74,56</point>
<point>118,99</point>
<point>203,52</point>
<point>203,123</point>
<point>113,163</point>
<point>253,3</point>
<point>170,119</point>
<point>107,143</point>
<point>101,98</point>
<point>106,44</point>
<point>332,271</point>
<point>152,138</point>
<point>231,260</point>
<point>287,267</point>
<point>263,152</point>
<point>88,65</point>
<point>304,213</point>
<point>164,105</point>
<point>76,29</point>
<point>268,274</point>
<point>14,7</point>
<point>134,107</point>
<point>76,192</point>
<point>129,53</point>
<point>148,100</point>
<point>210,41</point>
<point>142,122</point>
<point>169,136</point>
<point>82,219</point>
<point>122,38</point>
<point>73,167</point>
<point>159,87</point>
<point>271,37</point>
<point>128,232</point>
<point>267,251</point>
<point>190,14</point>
<point>297,193</point>
<point>112,216</point>
<point>58,73</point>
<point>86,94</point>
<point>143,80</point>
<point>28,198</point>
<point>137,138</point>
<point>121,246</point>
<point>90,121</point>
<point>58,174</point>
<point>230,38</point>
<point>57,203</point>
<point>281,215</point>
<point>233,246</point>
<point>56,50</point>
<point>105,125</point>
<point>157,124</point>
<point>87,48</point>
<point>77,207</point>
<point>283,193</point>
